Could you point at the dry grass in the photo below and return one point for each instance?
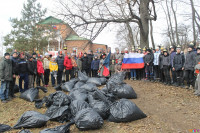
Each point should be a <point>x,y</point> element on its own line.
<point>169,109</point>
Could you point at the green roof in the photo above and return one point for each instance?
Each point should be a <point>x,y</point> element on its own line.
<point>51,20</point>
<point>74,38</point>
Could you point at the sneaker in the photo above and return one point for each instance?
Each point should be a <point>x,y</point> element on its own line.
<point>131,78</point>
<point>3,101</point>
<point>191,87</point>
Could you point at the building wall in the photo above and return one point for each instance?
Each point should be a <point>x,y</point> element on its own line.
<point>81,44</point>
<point>65,30</point>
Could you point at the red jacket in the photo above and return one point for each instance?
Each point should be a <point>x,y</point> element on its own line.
<point>40,68</point>
<point>68,63</point>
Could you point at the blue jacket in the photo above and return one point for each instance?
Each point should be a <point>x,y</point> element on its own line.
<point>172,57</point>
<point>95,64</point>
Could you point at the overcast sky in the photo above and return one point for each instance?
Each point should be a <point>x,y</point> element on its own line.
<point>12,8</point>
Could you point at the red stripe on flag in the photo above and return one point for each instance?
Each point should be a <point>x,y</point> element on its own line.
<point>133,66</point>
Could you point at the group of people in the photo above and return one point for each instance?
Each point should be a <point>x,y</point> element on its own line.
<point>171,68</point>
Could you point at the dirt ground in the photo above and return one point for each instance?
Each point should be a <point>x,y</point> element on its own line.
<point>169,110</point>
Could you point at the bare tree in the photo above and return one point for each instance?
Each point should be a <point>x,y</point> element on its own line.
<point>193,21</point>
<point>92,16</point>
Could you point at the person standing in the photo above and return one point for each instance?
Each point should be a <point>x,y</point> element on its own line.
<point>172,54</point>
<point>74,66</point>
<point>31,68</point>
<point>14,60</point>
<point>6,76</point>
<point>35,66</point>
<point>166,67</point>
<point>68,67</point>
<point>90,59</point>
<point>95,66</point>
<point>79,62</point>
<point>177,65</point>
<point>53,67</point>
<point>190,62</point>
<point>60,62</point>
<point>23,72</point>
<point>155,64</point>
<point>85,64</point>
<point>148,60</point>
<point>46,69</point>
<point>117,55</point>
<point>162,77</point>
<point>40,71</point>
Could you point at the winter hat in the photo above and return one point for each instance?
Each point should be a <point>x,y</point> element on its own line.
<point>6,54</point>
<point>46,54</point>
<point>126,49</point>
<point>178,47</point>
<point>191,45</point>
<point>65,48</point>
<point>148,50</point>
<point>165,50</point>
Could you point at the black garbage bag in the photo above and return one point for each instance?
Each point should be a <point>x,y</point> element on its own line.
<point>58,98</point>
<point>125,111</point>
<point>39,102</point>
<point>82,76</point>
<point>4,128</point>
<point>31,119</point>
<point>32,93</point>
<point>115,79</point>
<point>87,119</point>
<point>88,87</point>
<point>16,89</point>
<point>67,86</point>
<point>100,107</point>
<point>59,114</point>
<point>79,84</point>
<point>124,91</point>
<point>58,87</point>
<point>78,105</point>
<point>103,81</point>
<point>58,129</point>
<point>77,95</point>
<point>74,80</point>
<point>94,80</point>
<point>25,131</point>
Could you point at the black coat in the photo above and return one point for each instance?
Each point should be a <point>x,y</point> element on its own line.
<point>148,58</point>
<point>190,61</point>
<point>22,66</point>
<point>90,58</point>
<point>178,61</point>
<point>85,64</point>
<point>31,67</point>
<point>60,62</point>
<point>35,65</point>
<point>14,65</point>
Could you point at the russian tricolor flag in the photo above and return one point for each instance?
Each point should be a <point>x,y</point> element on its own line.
<point>133,61</point>
<point>106,64</point>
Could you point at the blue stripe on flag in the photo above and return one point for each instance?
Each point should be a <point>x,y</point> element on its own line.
<point>133,60</point>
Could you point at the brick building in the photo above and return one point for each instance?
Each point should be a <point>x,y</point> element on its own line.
<point>60,34</point>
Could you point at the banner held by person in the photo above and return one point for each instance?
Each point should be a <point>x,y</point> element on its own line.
<point>106,64</point>
<point>133,61</point>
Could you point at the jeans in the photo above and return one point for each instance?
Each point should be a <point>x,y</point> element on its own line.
<point>189,77</point>
<point>133,73</point>
<point>52,79</point>
<point>11,87</point>
<point>4,91</point>
<point>59,77</point>
<point>46,76</point>
<point>25,78</point>
<point>69,73</point>
<point>30,81</point>
<point>166,70</point>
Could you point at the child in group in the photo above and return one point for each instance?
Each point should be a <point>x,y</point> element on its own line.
<point>40,71</point>
<point>53,66</point>
<point>95,66</point>
<point>112,68</point>
<point>118,66</point>
<point>166,67</point>
<point>31,68</point>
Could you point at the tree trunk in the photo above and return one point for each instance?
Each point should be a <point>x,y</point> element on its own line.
<point>130,35</point>
<point>144,24</point>
<point>170,23</point>
<point>176,25</point>
<point>193,21</point>
<point>151,33</point>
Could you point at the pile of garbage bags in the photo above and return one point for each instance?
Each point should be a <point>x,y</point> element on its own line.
<point>85,105</point>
